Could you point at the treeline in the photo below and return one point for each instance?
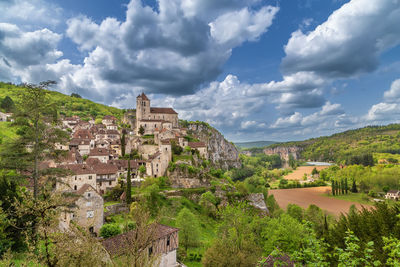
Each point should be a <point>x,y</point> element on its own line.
<point>66,105</point>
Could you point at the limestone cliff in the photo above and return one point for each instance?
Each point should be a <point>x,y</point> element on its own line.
<point>284,152</point>
<point>222,153</point>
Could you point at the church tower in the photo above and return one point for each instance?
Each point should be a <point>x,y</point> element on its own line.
<point>142,107</point>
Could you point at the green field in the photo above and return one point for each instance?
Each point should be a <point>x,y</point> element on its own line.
<point>354,197</point>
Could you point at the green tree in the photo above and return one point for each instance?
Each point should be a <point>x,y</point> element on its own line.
<point>392,247</point>
<point>333,187</point>
<point>37,133</point>
<point>189,234</point>
<point>236,244</point>
<point>5,240</point>
<point>354,187</point>
<point>314,171</point>
<point>295,211</point>
<point>208,202</point>
<point>346,186</point>
<point>142,170</point>
<point>109,230</point>
<point>75,95</point>
<point>123,142</point>
<point>141,130</point>
<point>7,104</point>
<point>128,191</point>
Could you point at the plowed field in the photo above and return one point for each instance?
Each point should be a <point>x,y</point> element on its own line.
<point>312,195</point>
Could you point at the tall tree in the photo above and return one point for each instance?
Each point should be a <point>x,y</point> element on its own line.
<point>7,104</point>
<point>128,192</point>
<point>333,187</point>
<point>189,235</point>
<point>36,119</point>
<point>123,144</point>
<point>354,187</point>
<point>346,185</point>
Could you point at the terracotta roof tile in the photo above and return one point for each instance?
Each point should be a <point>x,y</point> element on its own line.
<point>197,144</point>
<point>163,110</point>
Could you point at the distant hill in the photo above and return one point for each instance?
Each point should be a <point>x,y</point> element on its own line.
<point>341,147</point>
<point>244,145</point>
<point>67,105</point>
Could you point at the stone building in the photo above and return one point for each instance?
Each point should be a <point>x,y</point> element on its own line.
<point>80,174</point>
<point>151,118</point>
<point>201,147</point>
<point>106,176</point>
<point>164,245</point>
<point>85,209</point>
<point>102,154</point>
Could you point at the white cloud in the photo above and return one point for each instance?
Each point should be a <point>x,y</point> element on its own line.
<point>388,110</point>
<point>393,95</point>
<point>348,43</point>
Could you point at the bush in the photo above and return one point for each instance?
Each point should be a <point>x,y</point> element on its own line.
<point>109,230</point>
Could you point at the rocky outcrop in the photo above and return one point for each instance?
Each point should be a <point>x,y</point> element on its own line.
<point>221,153</point>
<point>180,177</point>
<point>284,152</point>
<point>257,201</point>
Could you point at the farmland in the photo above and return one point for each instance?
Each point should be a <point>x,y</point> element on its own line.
<point>314,195</point>
<point>300,171</point>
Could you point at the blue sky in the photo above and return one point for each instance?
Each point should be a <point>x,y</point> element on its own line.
<point>254,69</point>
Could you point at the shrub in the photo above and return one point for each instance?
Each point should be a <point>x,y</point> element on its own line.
<point>109,230</point>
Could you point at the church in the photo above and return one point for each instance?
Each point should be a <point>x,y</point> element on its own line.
<point>151,118</point>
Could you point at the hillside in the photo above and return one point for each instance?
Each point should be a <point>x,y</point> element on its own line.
<point>68,105</point>
<point>341,146</point>
<point>244,145</point>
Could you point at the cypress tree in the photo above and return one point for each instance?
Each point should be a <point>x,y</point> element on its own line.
<point>342,185</point>
<point>346,186</point>
<point>354,187</point>
<point>333,187</point>
<point>337,188</point>
<point>129,184</point>
<point>123,142</point>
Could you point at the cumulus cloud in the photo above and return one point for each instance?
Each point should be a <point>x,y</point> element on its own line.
<point>30,13</point>
<point>389,110</point>
<point>21,50</point>
<point>348,43</point>
<point>172,50</point>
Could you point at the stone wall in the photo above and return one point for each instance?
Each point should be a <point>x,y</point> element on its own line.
<point>116,209</point>
<point>284,152</point>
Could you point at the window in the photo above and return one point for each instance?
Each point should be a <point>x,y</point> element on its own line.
<point>168,241</point>
<point>88,204</point>
<point>88,194</point>
<point>150,251</point>
<point>76,178</point>
<point>109,182</point>
<point>100,183</point>
<point>90,214</point>
<point>75,187</point>
<point>90,177</point>
<point>91,229</point>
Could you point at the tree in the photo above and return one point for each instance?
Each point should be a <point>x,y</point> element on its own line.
<point>314,171</point>
<point>75,95</point>
<point>109,230</point>
<point>141,130</point>
<point>337,188</point>
<point>333,187</point>
<point>5,240</point>
<point>354,187</point>
<point>142,170</point>
<point>36,118</point>
<point>292,162</point>
<point>189,235</point>
<point>7,104</point>
<point>236,243</point>
<point>295,212</point>
<point>128,191</point>
<point>208,202</point>
<point>123,140</point>
<point>346,186</point>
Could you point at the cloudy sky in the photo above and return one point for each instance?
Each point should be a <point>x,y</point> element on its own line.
<point>254,69</point>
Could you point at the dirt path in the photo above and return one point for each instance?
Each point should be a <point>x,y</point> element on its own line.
<point>300,171</point>
<point>312,195</point>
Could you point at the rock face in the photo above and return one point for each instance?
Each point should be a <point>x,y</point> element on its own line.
<point>222,153</point>
<point>284,152</point>
<point>257,201</point>
<point>181,178</point>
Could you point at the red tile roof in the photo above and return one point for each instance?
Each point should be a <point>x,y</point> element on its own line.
<point>163,110</point>
<point>79,169</point>
<point>143,96</point>
<point>99,152</point>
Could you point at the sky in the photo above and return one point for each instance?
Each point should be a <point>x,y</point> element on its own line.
<point>275,70</point>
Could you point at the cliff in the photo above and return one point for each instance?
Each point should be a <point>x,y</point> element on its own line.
<point>222,154</point>
<point>284,151</point>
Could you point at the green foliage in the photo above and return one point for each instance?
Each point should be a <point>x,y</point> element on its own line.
<point>142,169</point>
<point>7,104</point>
<point>141,130</point>
<point>66,105</point>
<point>75,95</point>
<point>392,248</point>
<point>176,149</point>
<point>295,212</point>
<point>188,225</point>
<point>109,230</point>
<point>208,202</point>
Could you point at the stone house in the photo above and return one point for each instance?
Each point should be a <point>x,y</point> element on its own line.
<point>112,135</point>
<point>201,147</point>
<point>108,120</point>
<point>103,155</point>
<point>82,125</point>
<point>86,209</point>
<point>164,245</point>
<point>393,194</point>
<point>102,144</point>
<point>70,122</point>
<point>157,164</point>
<point>122,166</point>
<point>80,174</point>
<point>106,176</point>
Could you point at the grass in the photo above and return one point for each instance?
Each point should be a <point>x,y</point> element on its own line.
<point>182,157</point>
<point>7,132</point>
<point>354,197</point>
